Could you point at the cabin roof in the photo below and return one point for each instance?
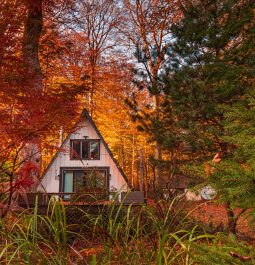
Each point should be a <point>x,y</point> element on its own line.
<point>86,114</point>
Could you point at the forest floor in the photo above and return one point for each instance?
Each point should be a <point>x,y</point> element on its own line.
<point>215,216</point>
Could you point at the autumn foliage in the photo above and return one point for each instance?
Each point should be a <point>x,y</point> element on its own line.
<point>56,58</point>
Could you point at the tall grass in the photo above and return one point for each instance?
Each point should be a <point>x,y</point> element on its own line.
<point>30,238</point>
<point>140,235</point>
<point>126,234</point>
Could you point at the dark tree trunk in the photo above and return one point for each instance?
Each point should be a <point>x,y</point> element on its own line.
<point>158,152</point>
<point>232,220</point>
<point>31,37</point>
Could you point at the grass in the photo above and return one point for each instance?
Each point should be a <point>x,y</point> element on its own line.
<point>117,234</point>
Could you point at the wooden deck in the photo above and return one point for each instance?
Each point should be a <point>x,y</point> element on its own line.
<point>30,199</point>
<point>76,205</point>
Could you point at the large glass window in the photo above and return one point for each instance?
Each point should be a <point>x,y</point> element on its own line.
<point>79,181</point>
<point>85,149</point>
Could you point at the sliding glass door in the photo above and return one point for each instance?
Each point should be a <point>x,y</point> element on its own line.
<point>68,183</point>
<point>85,180</point>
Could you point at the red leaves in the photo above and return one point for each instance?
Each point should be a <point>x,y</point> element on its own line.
<point>24,183</point>
<point>28,169</point>
<point>27,176</point>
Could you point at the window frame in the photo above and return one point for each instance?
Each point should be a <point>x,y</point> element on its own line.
<point>65,169</point>
<point>80,155</point>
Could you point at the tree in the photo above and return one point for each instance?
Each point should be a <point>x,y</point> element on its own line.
<point>234,177</point>
<point>29,115</point>
<point>98,21</point>
<point>211,75</point>
<point>148,28</point>
<point>31,37</point>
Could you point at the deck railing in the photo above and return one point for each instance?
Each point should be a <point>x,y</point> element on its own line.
<point>82,198</point>
<point>29,199</point>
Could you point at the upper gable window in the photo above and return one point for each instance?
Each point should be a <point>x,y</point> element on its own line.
<point>85,149</point>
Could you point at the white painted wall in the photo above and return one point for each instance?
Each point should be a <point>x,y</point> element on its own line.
<point>50,182</point>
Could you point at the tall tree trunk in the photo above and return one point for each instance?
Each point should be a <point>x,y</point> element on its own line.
<point>233,217</point>
<point>158,158</point>
<point>158,154</point>
<point>145,173</point>
<point>232,221</point>
<point>92,92</point>
<point>141,170</point>
<point>31,38</point>
<point>133,161</point>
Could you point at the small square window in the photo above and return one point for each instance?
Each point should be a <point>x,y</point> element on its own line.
<point>85,149</point>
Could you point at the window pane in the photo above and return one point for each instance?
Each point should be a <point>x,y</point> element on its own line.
<point>88,180</point>
<point>94,150</point>
<point>79,181</point>
<point>68,184</point>
<point>91,180</point>
<point>76,150</point>
<point>85,149</point>
<point>96,180</point>
<point>101,179</point>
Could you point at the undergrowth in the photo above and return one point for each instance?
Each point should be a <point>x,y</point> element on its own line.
<point>117,234</point>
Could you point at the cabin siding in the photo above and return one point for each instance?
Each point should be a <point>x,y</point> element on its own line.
<point>51,179</point>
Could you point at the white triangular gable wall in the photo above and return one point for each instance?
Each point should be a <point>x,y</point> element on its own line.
<point>50,181</point>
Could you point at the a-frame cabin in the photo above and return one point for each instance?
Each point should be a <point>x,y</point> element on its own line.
<point>84,163</point>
